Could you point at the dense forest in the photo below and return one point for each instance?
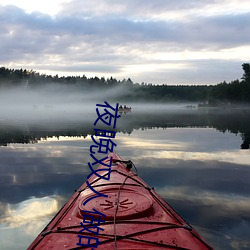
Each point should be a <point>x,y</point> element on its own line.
<point>234,92</point>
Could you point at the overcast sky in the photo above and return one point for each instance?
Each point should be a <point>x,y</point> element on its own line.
<point>157,41</point>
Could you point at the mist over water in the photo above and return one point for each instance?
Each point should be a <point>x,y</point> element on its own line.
<point>191,156</point>
<point>53,102</point>
<point>61,102</point>
<point>61,107</point>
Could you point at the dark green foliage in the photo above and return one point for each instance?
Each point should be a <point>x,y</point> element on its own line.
<point>246,69</point>
<point>234,92</point>
<point>222,93</point>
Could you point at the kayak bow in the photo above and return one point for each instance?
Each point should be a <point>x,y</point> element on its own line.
<point>136,217</point>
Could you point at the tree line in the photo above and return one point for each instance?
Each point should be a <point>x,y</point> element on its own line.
<point>235,122</point>
<point>236,91</point>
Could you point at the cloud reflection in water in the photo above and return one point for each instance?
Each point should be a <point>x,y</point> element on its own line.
<point>29,217</point>
<point>199,171</point>
<point>201,174</point>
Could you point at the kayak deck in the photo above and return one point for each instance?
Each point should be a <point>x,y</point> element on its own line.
<point>136,217</point>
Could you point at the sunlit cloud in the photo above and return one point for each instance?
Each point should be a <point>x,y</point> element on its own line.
<point>30,212</point>
<point>46,6</point>
<point>150,144</point>
<point>26,220</point>
<point>179,144</point>
<point>222,156</point>
<point>224,54</point>
<point>185,42</point>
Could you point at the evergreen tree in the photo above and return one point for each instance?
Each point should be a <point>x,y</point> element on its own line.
<point>246,69</point>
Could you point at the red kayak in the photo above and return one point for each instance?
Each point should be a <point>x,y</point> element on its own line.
<point>117,210</point>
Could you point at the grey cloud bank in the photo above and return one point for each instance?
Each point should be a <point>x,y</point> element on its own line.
<point>144,40</point>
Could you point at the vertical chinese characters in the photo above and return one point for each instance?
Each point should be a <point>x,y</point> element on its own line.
<point>103,144</point>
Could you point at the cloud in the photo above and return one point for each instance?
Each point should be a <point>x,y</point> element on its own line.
<point>233,204</point>
<point>97,39</point>
<point>147,9</point>
<point>28,211</point>
<point>26,220</point>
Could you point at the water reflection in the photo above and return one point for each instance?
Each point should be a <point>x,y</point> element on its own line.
<point>233,121</point>
<point>202,175</point>
<point>192,159</point>
<point>24,220</point>
<point>34,209</point>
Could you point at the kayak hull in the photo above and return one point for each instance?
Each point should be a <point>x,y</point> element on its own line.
<point>128,215</point>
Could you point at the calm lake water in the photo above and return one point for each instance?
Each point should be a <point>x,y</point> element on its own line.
<point>197,160</point>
